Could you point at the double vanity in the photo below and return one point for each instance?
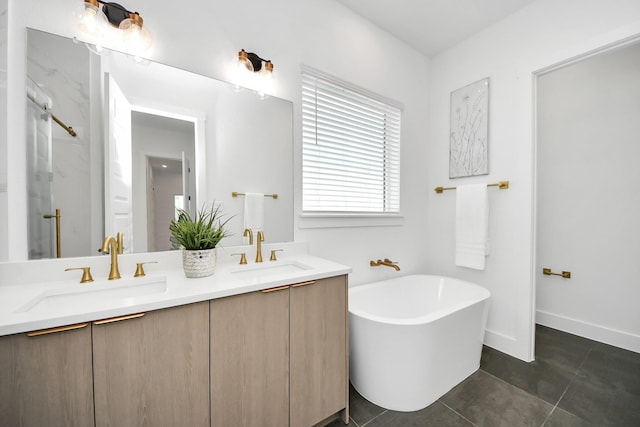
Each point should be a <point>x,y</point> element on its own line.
<point>261,344</point>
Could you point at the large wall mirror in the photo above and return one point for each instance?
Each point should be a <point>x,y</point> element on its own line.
<point>115,144</point>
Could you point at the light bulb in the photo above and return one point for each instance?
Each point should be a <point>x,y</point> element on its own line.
<point>135,36</point>
<point>92,24</point>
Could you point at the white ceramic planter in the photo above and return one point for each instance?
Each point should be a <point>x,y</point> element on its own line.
<point>199,263</point>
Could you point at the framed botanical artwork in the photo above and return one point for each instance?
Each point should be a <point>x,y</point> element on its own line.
<point>469,130</point>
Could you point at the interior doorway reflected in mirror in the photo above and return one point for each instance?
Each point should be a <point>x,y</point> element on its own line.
<point>256,158</point>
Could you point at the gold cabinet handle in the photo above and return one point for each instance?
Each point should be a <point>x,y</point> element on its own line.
<point>58,329</point>
<point>310,282</point>
<point>278,288</point>
<point>564,274</point>
<point>118,318</point>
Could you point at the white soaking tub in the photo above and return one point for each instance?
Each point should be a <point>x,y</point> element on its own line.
<point>414,338</point>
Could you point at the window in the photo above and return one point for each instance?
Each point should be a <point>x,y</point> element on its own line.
<point>350,149</point>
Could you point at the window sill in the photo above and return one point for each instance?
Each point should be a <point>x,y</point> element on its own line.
<point>348,220</point>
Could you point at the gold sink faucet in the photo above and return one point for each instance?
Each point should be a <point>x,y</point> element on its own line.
<point>259,240</point>
<point>248,233</point>
<point>110,246</point>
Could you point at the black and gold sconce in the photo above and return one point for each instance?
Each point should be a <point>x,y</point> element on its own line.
<point>97,21</point>
<point>255,73</point>
<point>254,63</point>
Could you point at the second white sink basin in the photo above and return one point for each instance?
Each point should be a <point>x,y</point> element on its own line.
<point>269,270</point>
<point>92,294</point>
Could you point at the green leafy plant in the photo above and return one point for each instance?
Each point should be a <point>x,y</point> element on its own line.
<point>202,232</point>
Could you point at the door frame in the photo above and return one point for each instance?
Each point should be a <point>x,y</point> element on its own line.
<point>198,119</point>
<point>577,56</point>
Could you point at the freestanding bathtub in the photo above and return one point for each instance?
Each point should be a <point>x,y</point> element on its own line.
<point>414,338</point>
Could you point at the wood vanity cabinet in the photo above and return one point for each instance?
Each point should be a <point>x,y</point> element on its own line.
<point>271,358</point>
<point>319,370</point>
<point>250,360</point>
<point>279,356</point>
<point>46,380</point>
<point>153,370</point>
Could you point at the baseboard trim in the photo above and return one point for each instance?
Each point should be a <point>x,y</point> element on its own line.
<point>589,330</point>
<point>505,344</point>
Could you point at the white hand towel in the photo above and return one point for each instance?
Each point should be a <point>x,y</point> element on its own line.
<point>254,212</point>
<point>472,222</point>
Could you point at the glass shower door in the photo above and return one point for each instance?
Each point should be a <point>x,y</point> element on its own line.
<point>39,180</point>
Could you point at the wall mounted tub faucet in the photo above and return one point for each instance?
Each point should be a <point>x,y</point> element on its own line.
<point>386,262</point>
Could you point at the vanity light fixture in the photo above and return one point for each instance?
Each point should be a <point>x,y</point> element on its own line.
<point>253,62</point>
<point>255,73</point>
<point>97,19</point>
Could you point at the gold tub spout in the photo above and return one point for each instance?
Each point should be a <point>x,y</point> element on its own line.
<point>110,246</point>
<point>387,262</point>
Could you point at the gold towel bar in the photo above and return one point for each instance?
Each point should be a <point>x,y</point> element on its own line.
<point>503,185</point>
<point>236,194</point>
<point>55,119</point>
<point>564,274</point>
<point>69,129</point>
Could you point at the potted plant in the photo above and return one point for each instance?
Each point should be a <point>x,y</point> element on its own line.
<point>198,238</point>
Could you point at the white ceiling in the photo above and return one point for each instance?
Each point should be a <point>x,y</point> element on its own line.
<point>431,26</point>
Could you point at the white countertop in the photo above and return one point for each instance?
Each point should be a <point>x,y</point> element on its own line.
<point>39,294</point>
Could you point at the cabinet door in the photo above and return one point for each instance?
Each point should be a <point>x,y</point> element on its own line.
<point>46,380</point>
<point>153,370</point>
<point>319,360</point>
<point>250,360</point>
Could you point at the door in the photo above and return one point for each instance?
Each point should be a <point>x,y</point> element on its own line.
<point>588,197</point>
<point>186,188</point>
<point>153,370</point>
<point>40,225</point>
<point>319,356</point>
<point>250,359</point>
<point>46,380</point>
<point>118,173</point>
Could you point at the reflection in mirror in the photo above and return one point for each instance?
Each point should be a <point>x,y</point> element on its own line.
<point>163,151</point>
<point>149,139</point>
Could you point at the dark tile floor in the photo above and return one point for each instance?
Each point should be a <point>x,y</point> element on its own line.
<point>573,382</point>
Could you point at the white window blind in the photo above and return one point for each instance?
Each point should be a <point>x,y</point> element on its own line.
<point>350,150</point>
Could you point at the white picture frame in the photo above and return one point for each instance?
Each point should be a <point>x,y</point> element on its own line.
<point>469,130</point>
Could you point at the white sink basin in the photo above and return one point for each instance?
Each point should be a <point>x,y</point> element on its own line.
<point>92,294</point>
<point>269,270</point>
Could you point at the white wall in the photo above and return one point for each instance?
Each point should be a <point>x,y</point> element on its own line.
<point>166,186</point>
<point>542,34</point>
<point>326,36</point>
<point>14,161</point>
<point>4,229</point>
<point>588,197</point>
<point>54,65</point>
<point>166,143</point>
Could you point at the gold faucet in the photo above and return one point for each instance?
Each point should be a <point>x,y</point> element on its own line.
<point>259,240</point>
<point>248,233</point>
<point>386,262</point>
<point>120,242</point>
<point>110,246</point>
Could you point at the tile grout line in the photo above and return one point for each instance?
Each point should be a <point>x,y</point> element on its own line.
<point>380,414</point>
<point>458,413</point>
<point>567,388</point>
<point>537,397</point>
